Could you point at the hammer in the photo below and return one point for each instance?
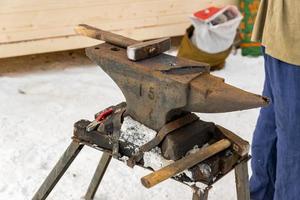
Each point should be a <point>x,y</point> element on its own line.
<point>136,50</point>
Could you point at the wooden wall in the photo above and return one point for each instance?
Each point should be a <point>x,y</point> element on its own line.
<point>38,26</point>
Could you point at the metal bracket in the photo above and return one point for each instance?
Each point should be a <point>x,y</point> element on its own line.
<point>164,131</point>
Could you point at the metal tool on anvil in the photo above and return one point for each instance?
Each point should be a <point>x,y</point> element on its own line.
<point>102,115</point>
<point>136,50</point>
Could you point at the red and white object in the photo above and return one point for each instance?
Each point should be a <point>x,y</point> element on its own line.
<point>207,13</point>
<point>215,28</point>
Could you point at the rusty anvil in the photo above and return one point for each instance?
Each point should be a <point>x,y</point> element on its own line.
<point>162,88</point>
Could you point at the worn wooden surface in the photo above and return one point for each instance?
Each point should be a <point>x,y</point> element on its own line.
<point>42,62</point>
<point>33,26</point>
<point>239,145</point>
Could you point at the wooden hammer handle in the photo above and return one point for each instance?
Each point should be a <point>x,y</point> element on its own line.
<point>112,38</point>
<point>184,163</point>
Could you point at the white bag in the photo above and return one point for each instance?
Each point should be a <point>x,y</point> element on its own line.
<point>216,38</point>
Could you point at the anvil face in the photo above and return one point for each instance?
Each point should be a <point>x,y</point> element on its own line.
<point>159,89</point>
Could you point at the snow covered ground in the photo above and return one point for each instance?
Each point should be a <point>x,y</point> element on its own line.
<point>37,112</point>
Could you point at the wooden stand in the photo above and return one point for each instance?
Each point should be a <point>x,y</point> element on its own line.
<point>241,174</point>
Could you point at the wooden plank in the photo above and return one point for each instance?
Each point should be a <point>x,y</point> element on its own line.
<point>127,27</point>
<point>25,23</point>
<point>44,45</point>
<point>110,16</point>
<point>76,42</point>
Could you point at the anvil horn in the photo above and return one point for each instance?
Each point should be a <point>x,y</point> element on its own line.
<point>209,94</point>
<point>160,89</point>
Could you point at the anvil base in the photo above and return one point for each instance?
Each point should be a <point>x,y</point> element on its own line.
<point>218,165</point>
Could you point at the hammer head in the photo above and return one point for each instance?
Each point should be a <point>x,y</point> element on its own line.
<point>135,50</point>
<point>143,50</point>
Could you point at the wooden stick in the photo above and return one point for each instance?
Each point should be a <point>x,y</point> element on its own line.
<point>112,38</point>
<point>184,163</point>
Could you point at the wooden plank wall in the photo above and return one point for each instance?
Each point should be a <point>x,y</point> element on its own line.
<point>38,26</point>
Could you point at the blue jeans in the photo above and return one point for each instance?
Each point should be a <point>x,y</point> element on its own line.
<point>276,141</point>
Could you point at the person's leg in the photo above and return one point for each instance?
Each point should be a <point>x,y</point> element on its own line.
<point>286,92</point>
<point>263,163</point>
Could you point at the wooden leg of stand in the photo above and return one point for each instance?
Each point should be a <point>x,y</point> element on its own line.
<point>242,181</point>
<point>200,194</point>
<point>99,173</point>
<point>58,171</point>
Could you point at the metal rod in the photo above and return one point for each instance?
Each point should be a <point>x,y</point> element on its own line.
<point>58,171</point>
<point>242,181</point>
<point>99,173</point>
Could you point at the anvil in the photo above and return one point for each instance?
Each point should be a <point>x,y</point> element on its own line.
<point>162,88</point>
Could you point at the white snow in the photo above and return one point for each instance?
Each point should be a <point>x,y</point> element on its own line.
<point>37,113</point>
<point>138,134</point>
<point>154,159</point>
